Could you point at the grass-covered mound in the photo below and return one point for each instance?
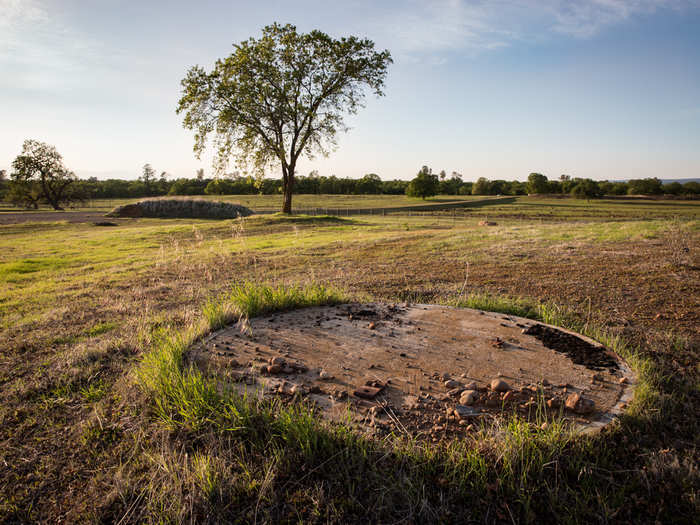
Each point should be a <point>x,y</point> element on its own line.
<point>181,208</point>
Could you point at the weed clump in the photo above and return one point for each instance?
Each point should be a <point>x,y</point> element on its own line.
<point>181,209</point>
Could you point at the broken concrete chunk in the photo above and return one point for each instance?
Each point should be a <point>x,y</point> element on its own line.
<point>464,412</point>
<point>367,392</point>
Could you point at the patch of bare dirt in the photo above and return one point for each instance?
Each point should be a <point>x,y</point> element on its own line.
<point>51,216</point>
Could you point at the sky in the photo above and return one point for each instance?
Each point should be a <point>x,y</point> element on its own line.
<point>605,89</point>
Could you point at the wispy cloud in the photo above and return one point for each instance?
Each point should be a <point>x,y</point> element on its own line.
<point>444,25</point>
<point>38,49</point>
<point>588,18</point>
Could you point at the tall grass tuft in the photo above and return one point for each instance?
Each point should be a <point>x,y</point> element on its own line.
<point>252,300</point>
<point>182,394</point>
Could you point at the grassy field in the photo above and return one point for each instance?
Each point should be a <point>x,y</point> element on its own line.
<point>102,419</point>
<point>274,202</point>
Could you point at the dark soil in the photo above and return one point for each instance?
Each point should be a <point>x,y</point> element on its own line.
<point>579,351</point>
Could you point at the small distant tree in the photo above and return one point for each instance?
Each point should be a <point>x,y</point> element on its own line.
<point>280,96</point>
<point>3,183</point>
<point>586,189</point>
<point>537,183</point>
<point>425,184</point>
<point>200,174</point>
<point>148,178</point>
<point>482,186</point>
<point>651,186</point>
<point>39,175</point>
<point>691,188</point>
<point>370,184</point>
<point>673,188</point>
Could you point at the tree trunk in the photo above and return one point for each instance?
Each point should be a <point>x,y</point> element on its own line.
<point>287,204</point>
<point>288,187</point>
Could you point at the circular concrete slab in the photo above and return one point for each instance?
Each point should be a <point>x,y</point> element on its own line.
<point>430,371</point>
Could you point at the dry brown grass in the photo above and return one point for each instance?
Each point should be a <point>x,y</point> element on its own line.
<point>76,443</point>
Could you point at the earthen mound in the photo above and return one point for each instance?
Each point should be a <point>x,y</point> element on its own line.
<point>181,209</point>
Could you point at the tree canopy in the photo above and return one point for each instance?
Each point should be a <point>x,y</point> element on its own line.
<point>39,175</point>
<point>425,184</point>
<point>280,96</point>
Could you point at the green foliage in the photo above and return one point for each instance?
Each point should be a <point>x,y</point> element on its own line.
<point>586,189</point>
<point>651,186</point>
<point>537,183</point>
<point>369,184</point>
<point>279,97</point>
<point>425,184</point>
<point>39,174</point>
<point>148,178</point>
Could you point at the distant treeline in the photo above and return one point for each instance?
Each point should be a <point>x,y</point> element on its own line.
<point>371,184</point>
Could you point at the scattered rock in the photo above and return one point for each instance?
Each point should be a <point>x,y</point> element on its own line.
<point>274,369</point>
<point>451,383</point>
<point>372,325</point>
<point>623,381</point>
<point>468,397</point>
<point>554,402</point>
<point>579,404</point>
<point>324,376</point>
<point>498,385</point>
<point>471,386</point>
<point>277,361</point>
<point>508,396</point>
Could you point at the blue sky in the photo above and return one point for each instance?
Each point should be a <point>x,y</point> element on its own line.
<point>606,89</point>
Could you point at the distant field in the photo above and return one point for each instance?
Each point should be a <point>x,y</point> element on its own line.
<point>520,207</point>
<point>81,305</point>
<point>274,202</point>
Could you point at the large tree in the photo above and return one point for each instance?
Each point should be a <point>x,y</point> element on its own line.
<point>39,175</point>
<point>280,96</point>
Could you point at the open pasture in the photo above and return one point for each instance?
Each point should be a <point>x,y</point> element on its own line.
<point>103,419</point>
